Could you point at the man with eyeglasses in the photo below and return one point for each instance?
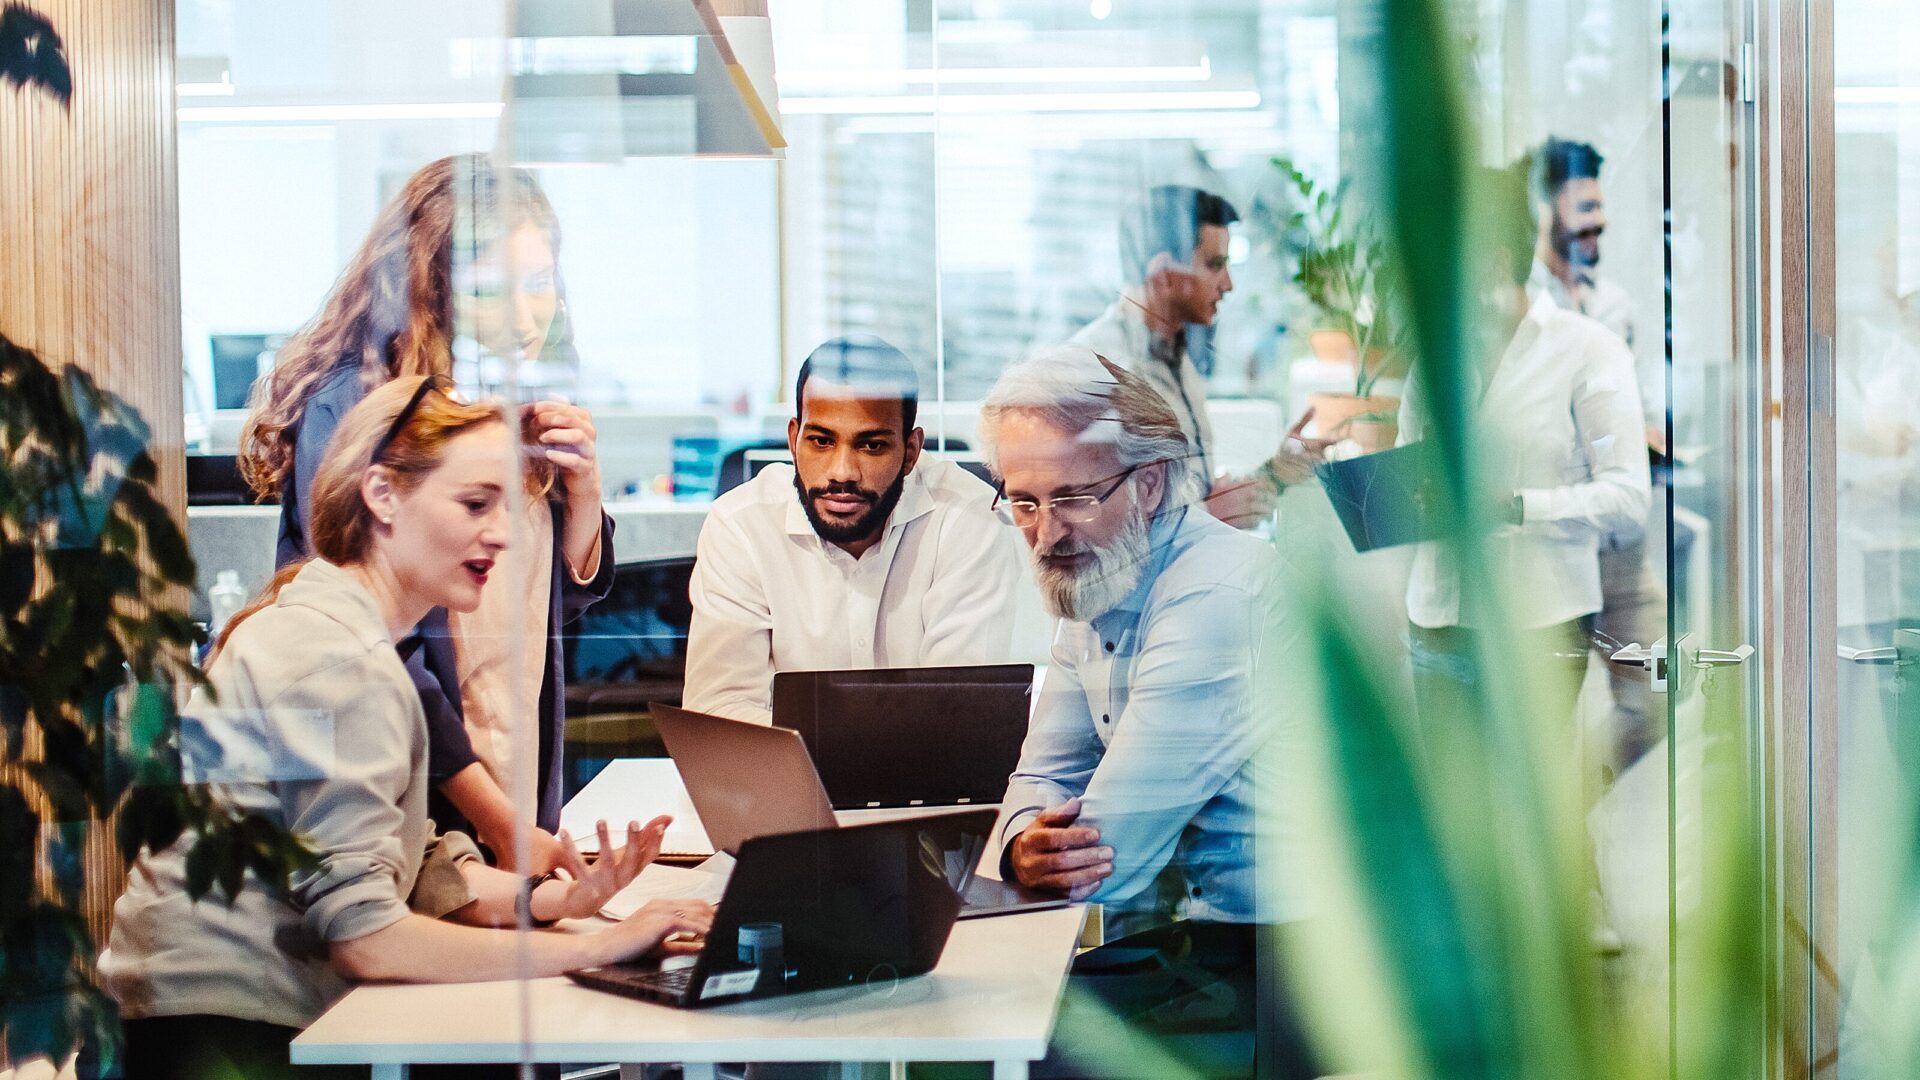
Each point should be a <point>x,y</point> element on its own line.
<point>1151,769</point>
<point>863,553</point>
<point>1136,785</point>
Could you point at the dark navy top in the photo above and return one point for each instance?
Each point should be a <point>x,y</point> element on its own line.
<point>428,651</point>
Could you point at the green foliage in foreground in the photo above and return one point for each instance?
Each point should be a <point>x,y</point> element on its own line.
<point>94,649</point>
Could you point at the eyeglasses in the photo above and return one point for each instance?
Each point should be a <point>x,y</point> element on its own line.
<point>1072,509</point>
<point>431,382</point>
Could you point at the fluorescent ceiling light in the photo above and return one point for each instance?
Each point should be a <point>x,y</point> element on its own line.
<point>1876,95</point>
<point>908,104</point>
<point>1055,128</point>
<point>294,114</point>
<point>810,79</point>
<point>652,55</point>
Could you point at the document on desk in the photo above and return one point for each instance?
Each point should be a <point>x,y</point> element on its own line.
<point>704,882</point>
<point>636,789</point>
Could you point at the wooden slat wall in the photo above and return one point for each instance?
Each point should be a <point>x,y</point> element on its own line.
<point>89,251</point>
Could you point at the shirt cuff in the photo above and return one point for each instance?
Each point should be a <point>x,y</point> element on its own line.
<point>1536,506</point>
<point>593,561</point>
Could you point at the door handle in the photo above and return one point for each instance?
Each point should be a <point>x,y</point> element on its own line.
<point>1723,657</point>
<point>1887,655</point>
<point>1651,658</point>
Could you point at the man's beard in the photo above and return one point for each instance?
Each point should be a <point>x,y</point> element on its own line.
<point>1086,592</point>
<point>1573,247</point>
<point>879,508</point>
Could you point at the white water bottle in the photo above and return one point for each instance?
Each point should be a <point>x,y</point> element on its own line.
<point>225,598</point>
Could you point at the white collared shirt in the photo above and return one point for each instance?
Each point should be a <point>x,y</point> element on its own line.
<point>1606,303</point>
<point>1120,334</point>
<point>1560,425</point>
<point>770,595</point>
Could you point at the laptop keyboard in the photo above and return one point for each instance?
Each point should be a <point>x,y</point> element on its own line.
<point>637,981</point>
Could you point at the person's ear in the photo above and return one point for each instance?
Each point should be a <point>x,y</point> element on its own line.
<point>377,490</point>
<point>1163,273</point>
<point>793,438</point>
<point>916,442</point>
<point>1153,486</point>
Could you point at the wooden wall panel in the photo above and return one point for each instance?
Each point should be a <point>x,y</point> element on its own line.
<point>89,247</point>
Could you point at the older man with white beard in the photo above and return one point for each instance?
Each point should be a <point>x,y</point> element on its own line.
<point>1149,778</point>
<point>1138,783</point>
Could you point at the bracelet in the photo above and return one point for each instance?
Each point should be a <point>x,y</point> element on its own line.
<point>523,900</point>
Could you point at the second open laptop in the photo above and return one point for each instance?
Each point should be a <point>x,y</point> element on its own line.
<point>815,910</point>
<point>749,780</point>
<point>921,736</point>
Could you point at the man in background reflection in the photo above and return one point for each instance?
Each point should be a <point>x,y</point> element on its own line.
<point>1572,211</point>
<point>1559,436</point>
<point>863,553</point>
<point>1173,249</point>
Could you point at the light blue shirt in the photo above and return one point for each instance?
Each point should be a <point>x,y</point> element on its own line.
<point>1149,714</point>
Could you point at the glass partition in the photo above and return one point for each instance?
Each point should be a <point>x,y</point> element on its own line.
<point>652,217</point>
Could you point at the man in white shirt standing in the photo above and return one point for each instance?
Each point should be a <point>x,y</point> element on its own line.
<point>863,553</point>
<point>1572,210</point>
<point>1560,437</point>
<point>1173,248</point>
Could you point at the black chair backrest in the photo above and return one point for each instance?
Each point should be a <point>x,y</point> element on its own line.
<point>639,632</point>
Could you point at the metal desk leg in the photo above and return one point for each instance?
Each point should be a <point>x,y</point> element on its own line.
<point>896,1070</point>
<point>1009,1070</point>
<point>390,1071</point>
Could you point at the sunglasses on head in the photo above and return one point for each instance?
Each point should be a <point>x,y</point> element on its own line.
<point>431,382</point>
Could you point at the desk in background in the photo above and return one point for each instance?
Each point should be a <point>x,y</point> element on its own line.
<point>993,997</point>
<point>242,538</point>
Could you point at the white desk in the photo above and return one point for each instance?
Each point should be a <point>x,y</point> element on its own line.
<point>992,997</point>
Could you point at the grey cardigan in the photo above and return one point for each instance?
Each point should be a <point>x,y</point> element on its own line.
<point>319,727</point>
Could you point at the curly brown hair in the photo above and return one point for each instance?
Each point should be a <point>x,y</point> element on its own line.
<point>391,311</point>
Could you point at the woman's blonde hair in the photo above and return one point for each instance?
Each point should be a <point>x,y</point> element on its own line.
<point>342,524</point>
<point>391,311</point>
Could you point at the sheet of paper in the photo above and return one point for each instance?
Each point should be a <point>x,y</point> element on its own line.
<point>636,789</point>
<point>704,882</point>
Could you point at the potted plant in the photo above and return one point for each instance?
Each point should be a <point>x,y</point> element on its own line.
<point>1341,267</point>
<point>95,649</point>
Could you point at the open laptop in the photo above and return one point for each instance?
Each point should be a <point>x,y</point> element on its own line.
<point>928,736</point>
<point>863,903</point>
<point>749,780</point>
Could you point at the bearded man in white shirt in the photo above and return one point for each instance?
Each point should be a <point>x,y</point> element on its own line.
<point>1560,434</point>
<point>863,553</point>
<point>1572,209</point>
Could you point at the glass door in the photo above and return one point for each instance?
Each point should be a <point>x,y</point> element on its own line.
<point>1712,493</point>
<point>1864,883</point>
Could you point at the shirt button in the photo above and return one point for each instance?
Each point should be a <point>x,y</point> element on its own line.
<point>1109,646</point>
<point>1104,719</point>
<point>1196,890</point>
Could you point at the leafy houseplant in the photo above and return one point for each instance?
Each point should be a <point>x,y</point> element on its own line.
<point>95,645</point>
<point>1341,266</point>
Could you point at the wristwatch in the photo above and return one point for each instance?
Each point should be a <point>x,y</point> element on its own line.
<point>523,901</point>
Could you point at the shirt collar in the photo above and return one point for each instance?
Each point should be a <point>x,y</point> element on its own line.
<point>1543,282</point>
<point>915,501</point>
<point>1170,351</point>
<point>1160,540</point>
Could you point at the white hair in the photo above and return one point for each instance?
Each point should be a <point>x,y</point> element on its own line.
<point>1077,390</point>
